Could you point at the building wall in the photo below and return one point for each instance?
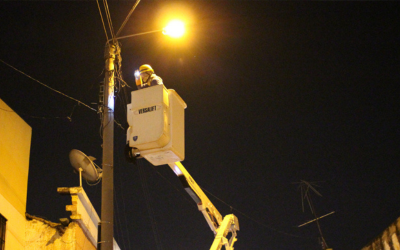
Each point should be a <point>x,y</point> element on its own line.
<point>388,240</point>
<point>15,229</point>
<point>36,233</point>
<point>52,236</point>
<point>15,145</point>
<point>84,214</point>
<point>15,141</point>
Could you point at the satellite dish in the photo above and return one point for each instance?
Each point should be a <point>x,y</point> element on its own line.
<point>83,163</point>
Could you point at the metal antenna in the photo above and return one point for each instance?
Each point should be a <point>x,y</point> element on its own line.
<point>305,188</point>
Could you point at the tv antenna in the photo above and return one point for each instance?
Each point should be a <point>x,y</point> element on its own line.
<point>85,166</point>
<point>305,188</point>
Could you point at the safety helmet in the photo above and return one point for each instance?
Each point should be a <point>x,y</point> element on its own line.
<point>146,68</point>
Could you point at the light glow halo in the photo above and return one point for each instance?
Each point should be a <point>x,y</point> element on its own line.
<point>174,29</point>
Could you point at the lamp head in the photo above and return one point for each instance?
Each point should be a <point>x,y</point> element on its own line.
<point>174,29</point>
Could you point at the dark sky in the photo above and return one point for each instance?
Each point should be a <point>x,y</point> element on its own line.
<point>277,92</point>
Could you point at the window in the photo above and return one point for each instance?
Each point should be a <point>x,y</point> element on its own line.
<point>3,222</point>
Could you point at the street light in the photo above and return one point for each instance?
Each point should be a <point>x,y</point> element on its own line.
<point>112,56</point>
<point>174,29</point>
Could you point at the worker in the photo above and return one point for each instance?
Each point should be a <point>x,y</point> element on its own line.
<point>145,77</point>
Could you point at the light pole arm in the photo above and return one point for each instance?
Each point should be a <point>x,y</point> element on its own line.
<point>138,34</point>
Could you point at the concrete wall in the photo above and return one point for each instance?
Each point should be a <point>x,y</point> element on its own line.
<point>15,141</point>
<point>15,145</point>
<point>51,236</point>
<point>84,214</point>
<point>388,240</point>
<point>15,229</point>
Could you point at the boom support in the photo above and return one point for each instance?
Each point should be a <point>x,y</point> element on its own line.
<point>219,227</point>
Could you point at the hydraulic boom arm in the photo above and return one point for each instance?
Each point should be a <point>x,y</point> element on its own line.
<point>220,227</point>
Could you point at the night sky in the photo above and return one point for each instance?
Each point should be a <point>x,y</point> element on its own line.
<point>277,92</point>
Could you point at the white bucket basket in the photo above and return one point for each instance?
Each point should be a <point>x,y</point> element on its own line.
<point>157,124</point>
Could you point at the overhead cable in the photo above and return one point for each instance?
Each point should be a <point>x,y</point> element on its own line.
<point>102,20</point>
<point>256,221</point>
<point>121,192</point>
<point>147,197</point>
<point>108,15</point>
<point>37,117</point>
<point>119,224</point>
<point>232,208</point>
<point>127,18</point>
<point>48,86</point>
<point>184,195</point>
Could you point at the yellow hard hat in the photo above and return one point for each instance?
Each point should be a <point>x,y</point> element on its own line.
<point>146,68</point>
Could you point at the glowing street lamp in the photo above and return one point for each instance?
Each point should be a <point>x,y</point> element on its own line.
<point>175,29</point>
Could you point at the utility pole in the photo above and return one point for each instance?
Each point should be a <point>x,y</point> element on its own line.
<point>111,56</point>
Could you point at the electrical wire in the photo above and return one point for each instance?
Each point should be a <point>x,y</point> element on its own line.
<point>146,193</point>
<point>125,83</point>
<point>124,213</point>
<point>179,190</point>
<point>256,221</point>
<point>123,206</point>
<point>127,17</point>
<point>117,217</point>
<point>119,124</point>
<point>73,108</point>
<point>108,15</point>
<point>37,117</point>
<point>123,101</point>
<point>102,20</point>
<point>242,213</point>
<point>59,92</point>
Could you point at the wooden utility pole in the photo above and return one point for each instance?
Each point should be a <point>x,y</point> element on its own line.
<point>111,56</point>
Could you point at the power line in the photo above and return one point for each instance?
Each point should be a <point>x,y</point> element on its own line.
<point>59,92</point>
<point>184,195</point>
<point>118,225</point>
<point>119,125</point>
<point>147,197</point>
<point>37,117</point>
<point>102,20</point>
<point>121,192</point>
<point>232,208</point>
<point>127,17</point>
<point>108,15</point>
<point>256,221</point>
